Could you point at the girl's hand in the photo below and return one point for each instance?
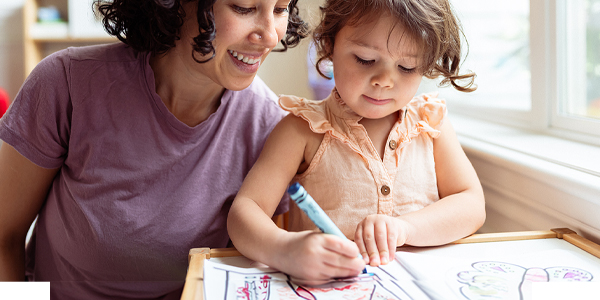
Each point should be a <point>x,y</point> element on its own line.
<point>377,237</point>
<point>315,258</point>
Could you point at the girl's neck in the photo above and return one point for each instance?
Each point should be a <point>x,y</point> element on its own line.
<point>187,93</point>
<point>379,130</point>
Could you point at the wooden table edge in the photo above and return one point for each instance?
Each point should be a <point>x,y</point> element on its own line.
<point>194,289</point>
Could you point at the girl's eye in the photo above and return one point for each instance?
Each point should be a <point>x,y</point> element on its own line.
<point>363,62</point>
<point>406,70</point>
<point>242,10</point>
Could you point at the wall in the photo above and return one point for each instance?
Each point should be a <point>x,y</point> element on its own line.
<point>11,46</point>
<point>526,193</point>
<point>287,72</point>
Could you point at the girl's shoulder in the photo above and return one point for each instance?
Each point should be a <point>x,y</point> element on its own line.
<point>313,112</point>
<point>299,106</point>
<point>306,129</point>
<point>426,107</point>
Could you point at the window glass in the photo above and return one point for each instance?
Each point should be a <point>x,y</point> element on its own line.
<point>580,59</point>
<point>497,33</point>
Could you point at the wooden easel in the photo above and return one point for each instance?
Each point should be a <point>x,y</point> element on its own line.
<point>194,289</point>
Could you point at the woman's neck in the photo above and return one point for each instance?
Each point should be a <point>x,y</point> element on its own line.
<point>188,94</point>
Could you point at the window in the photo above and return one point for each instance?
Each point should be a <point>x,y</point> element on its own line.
<point>578,55</point>
<point>537,65</point>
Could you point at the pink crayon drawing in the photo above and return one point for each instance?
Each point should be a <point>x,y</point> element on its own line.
<point>278,286</point>
<point>500,280</point>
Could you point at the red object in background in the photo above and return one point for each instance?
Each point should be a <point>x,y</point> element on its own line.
<point>4,102</point>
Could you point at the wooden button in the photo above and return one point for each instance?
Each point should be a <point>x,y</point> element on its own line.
<point>385,190</point>
<point>393,144</point>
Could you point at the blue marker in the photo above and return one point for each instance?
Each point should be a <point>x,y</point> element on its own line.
<point>314,212</point>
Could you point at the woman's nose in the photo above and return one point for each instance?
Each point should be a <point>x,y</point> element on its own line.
<point>266,32</point>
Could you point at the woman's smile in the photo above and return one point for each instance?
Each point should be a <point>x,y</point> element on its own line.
<point>246,62</point>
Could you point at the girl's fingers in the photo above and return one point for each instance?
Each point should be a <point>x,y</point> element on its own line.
<point>342,257</point>
<point>392,239</point>
<point>358,239</point>
<point>368,236</point>
<point>381,240</point>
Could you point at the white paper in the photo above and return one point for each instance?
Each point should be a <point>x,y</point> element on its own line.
<point>224,281</point>
<point>497,277</point>
<point>411,276</point>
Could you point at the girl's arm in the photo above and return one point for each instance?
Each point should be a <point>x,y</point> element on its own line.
<point>306,255</point>
<point>459,212</point>
<point>23,190</point>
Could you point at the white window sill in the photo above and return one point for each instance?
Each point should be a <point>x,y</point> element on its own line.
<point>533,181</point>
<point>570,165</point>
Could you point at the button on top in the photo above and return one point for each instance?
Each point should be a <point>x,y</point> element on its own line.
<point>385,190</point>
<point>393,144</point>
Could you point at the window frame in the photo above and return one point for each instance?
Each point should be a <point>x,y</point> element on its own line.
<point>550,87</point>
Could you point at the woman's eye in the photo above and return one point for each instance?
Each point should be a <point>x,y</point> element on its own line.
<point>406,70</point>
<point>242,10</point>
<point>363,62</point>
<point>281,10</point>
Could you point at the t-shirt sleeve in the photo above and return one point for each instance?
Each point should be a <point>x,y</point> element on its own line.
<point>37,124</point>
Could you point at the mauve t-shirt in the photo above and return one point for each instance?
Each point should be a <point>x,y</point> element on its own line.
<point>137,188</point>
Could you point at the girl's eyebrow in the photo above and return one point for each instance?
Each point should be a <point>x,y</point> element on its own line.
<point>362,44</point>
<point>369,46</point>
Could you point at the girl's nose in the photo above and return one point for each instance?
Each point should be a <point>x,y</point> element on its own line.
<point>383,79</point>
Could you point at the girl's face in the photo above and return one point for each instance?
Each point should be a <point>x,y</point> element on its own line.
<point>246,32</point>
<point>376,73</point>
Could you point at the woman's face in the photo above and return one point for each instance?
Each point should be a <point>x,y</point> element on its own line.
<point>246,32</point>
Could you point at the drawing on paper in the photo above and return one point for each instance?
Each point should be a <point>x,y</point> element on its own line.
<point>242,285</point>
<point>501,280</point>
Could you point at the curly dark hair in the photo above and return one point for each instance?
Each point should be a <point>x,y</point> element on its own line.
<point>154,25</point>
<point>430,22</point>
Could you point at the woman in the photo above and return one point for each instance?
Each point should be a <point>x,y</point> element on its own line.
<point>131,153</point>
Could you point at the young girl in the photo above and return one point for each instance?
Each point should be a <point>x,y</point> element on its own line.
<point>386,166</point>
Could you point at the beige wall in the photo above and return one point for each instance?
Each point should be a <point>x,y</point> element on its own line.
<point>285,73</point>
<point>11,46</point>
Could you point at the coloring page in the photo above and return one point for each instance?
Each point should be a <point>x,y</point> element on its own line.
<point>509,277</point>
<point>256,282</point>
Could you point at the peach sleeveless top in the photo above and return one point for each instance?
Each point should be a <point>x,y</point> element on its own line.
<point>347,177</point>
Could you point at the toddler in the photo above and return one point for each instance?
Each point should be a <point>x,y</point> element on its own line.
<point>384,164</point>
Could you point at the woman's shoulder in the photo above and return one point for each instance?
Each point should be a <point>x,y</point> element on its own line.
<point>63,62</point>
<point>115,52</point>
<point>104,52</point>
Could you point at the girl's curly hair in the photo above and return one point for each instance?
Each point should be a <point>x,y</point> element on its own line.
<point>430,22</point>
<point>154,25</point>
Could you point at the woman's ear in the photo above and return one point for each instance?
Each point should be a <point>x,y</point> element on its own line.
<point>166,3</point>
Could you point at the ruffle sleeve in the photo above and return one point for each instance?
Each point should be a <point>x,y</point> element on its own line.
<point>318,114</point>
<point>311,111</point>
<point>427,113</point>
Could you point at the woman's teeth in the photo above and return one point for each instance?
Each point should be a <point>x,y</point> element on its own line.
<point>241,57</point>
